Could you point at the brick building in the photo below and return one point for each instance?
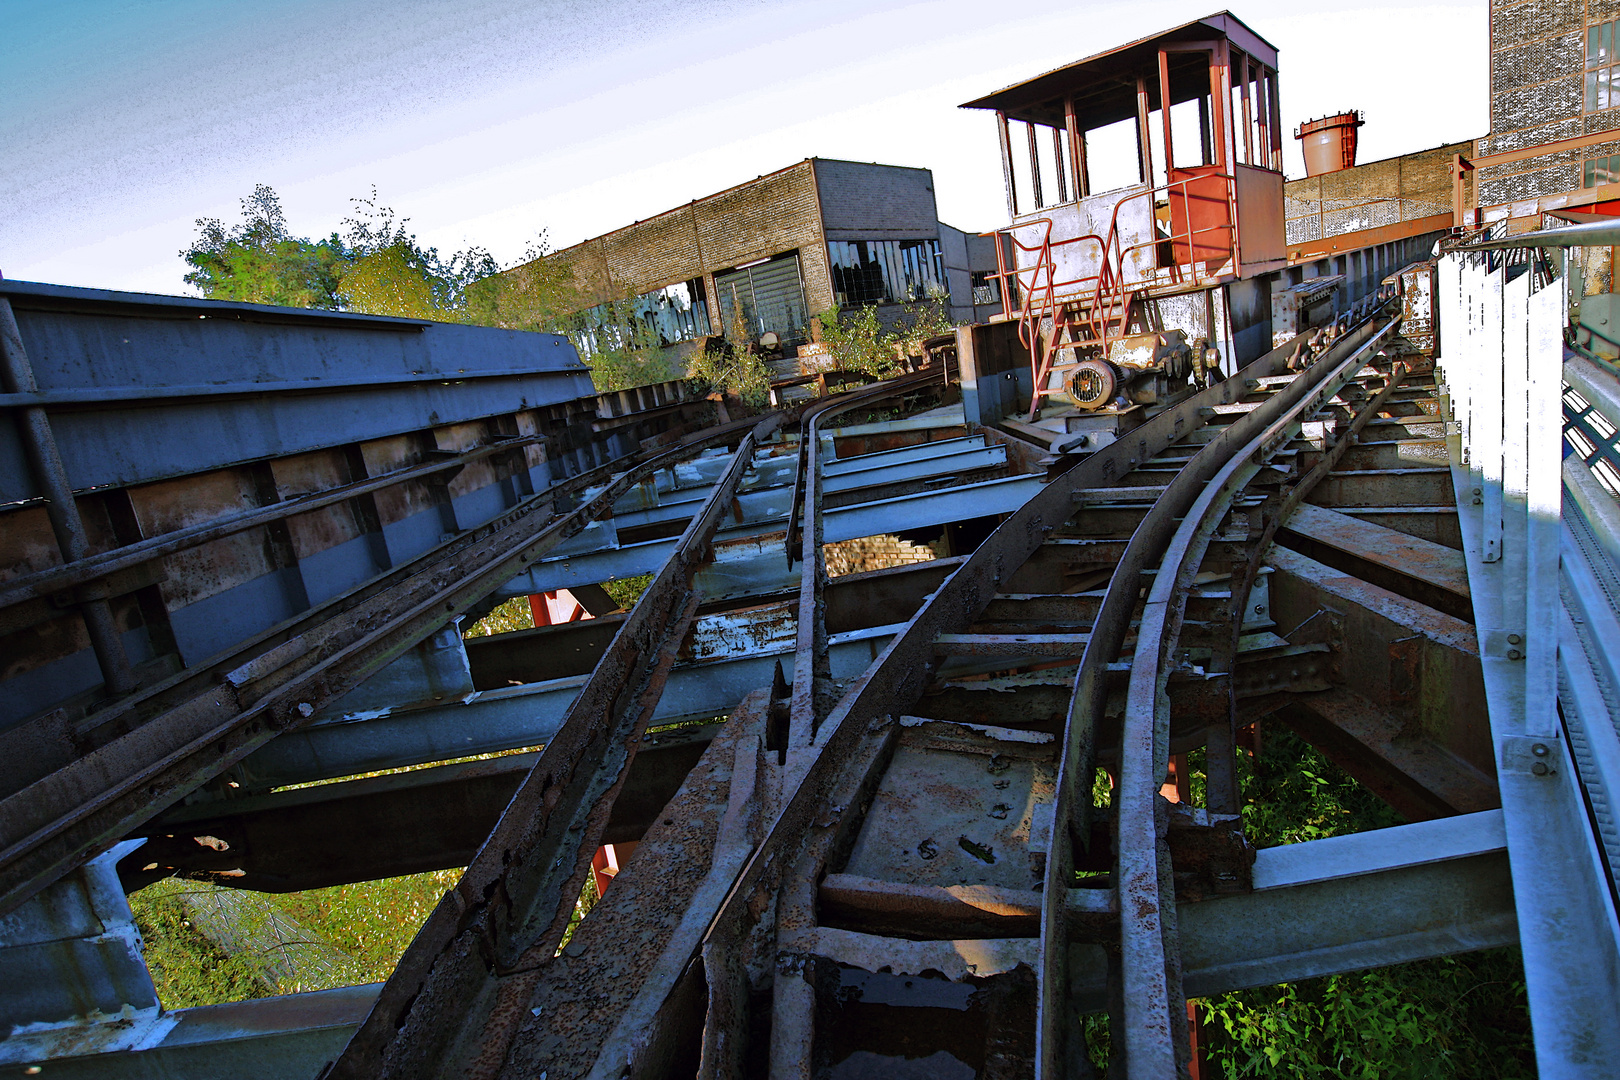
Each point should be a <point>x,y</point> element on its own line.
<point>781,247</point>
<point>1555,100</point>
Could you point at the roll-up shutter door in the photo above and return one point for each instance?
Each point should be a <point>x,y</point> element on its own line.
<point>772,298</point>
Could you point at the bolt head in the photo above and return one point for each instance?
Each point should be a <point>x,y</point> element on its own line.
<point>1540,750</point>
<point>1514,639</point>
<point>1539,768</point>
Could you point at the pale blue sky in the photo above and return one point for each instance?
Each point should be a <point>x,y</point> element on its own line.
<point>484,121</point>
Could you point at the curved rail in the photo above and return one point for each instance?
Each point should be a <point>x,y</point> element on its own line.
<point>1150,971</point>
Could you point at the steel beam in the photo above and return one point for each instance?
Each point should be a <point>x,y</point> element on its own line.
<point>1346,903</point>
<point>1502,343</point>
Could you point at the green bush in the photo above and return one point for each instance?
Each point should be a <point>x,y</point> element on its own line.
<point>859,341</point>
<point>1457,1017</point>
<point>188,968</point>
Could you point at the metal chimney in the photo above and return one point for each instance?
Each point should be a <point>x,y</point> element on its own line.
<point>1330,143</point>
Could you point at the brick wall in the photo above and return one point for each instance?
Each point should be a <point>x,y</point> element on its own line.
<point>767,216</point>
<point>1378,193</point>
<point>873,553</point>
<point>1538,55</point>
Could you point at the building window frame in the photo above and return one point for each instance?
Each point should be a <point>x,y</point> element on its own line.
<point>1598,171</point>
<point>662,317</point>
<point>1602,81</point>
<point>886,271</point>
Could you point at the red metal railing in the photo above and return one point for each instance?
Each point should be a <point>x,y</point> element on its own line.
<point>1105,315</point>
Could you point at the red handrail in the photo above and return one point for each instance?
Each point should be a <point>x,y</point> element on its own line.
<point>1108,313</point>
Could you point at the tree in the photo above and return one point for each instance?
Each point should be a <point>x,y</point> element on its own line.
<point>261,262</point>
<point>376,266</point>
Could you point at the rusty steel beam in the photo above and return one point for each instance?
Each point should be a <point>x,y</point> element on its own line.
<point>1220,764</point>
<point>167,741</point>
<point>489,940</point>
<point>1418,569</point>
<point>425,819</point>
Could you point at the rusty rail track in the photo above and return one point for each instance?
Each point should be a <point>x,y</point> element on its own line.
<point>150,748</point>
<point>841,854</point>
<point>459,994</point>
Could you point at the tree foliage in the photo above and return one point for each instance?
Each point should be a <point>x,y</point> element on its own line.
<point>259,261</point>
<point>734,367</point>
<point>376,265</point>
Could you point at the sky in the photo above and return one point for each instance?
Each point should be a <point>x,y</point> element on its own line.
<point>489,122</point>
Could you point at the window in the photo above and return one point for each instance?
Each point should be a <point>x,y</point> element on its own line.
<point>986,287</point>
<point>664,316</point>
<point>886,271</point>
<point>1602,74</point>
<point>1603,170</point>
<point>770,296</point>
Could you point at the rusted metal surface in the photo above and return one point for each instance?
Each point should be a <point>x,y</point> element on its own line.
<point>483,949</point>
<point>427,819</point>
<point>1152,1021</point>
<point>1418,665</point>
<point>592,1010</point>
<point>1221,759</point>
<point>1422,570</point>
<point>156,746</point>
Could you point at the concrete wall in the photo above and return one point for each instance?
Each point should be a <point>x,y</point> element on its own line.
<point>965,254</point>
<point>876,202</point>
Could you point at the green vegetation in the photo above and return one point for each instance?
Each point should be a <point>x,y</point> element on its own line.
<point>513,614</point>
<point>626,591</point>
<point>734,368</point>
<point>1457,1016</point>
<point>377,266</point>
<point>371,921</point>
<point>188,968</point>
<point>859,341</point>
<point>206,945</point>
<point>624,353</point>
<point>1454,1017</point>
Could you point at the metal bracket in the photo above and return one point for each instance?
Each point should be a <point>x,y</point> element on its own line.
<point>1535,755</point>
<point>1504,644</point>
